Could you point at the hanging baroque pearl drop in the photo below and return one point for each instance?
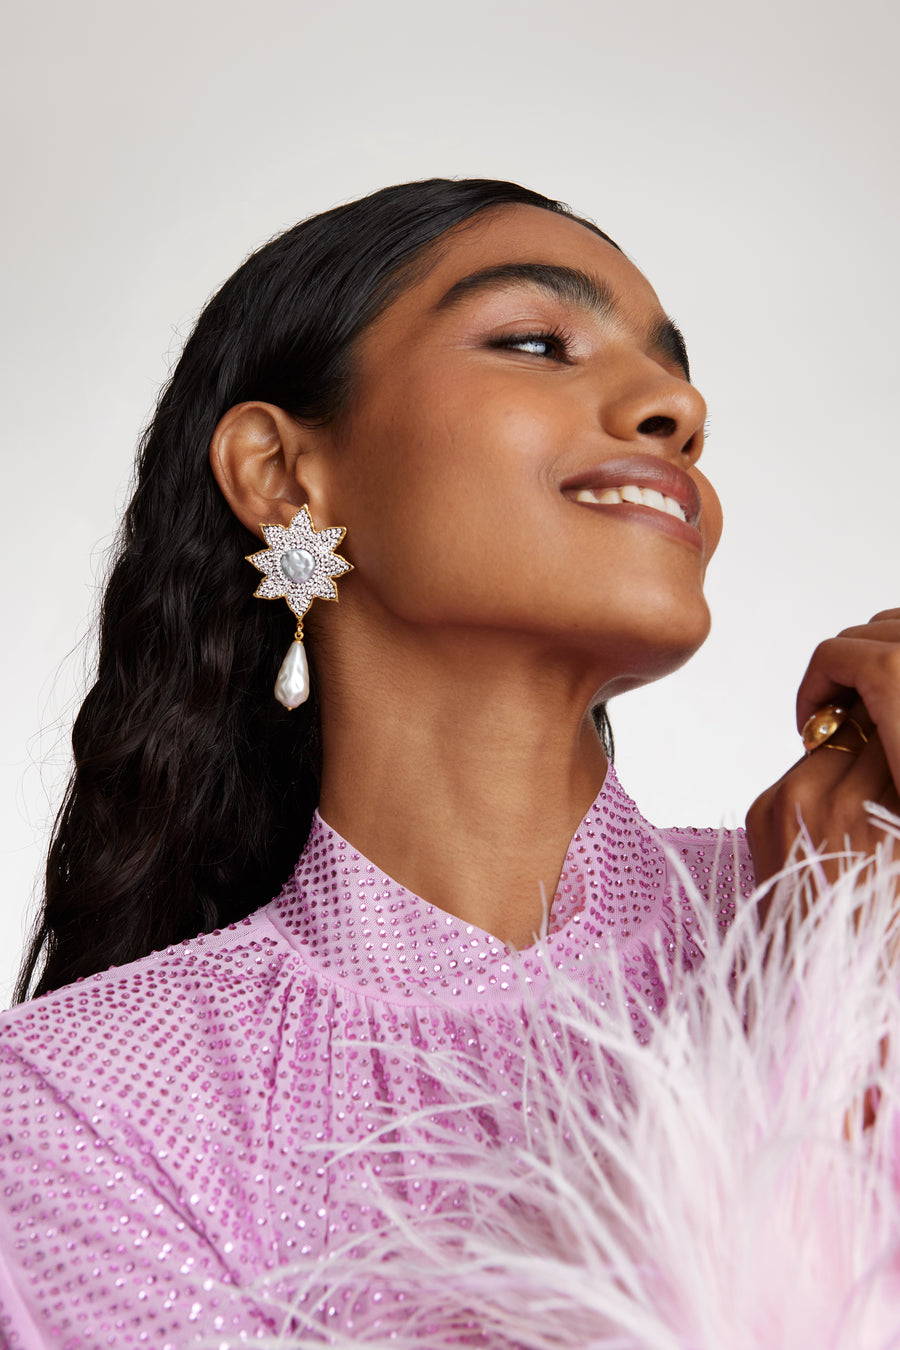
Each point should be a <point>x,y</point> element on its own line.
<point>292,684</point>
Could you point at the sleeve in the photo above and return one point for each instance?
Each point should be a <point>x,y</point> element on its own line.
<point>18,1329</point>
<point>97,1247</point>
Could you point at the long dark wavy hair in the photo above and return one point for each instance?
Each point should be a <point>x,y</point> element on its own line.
<point>193,789</point>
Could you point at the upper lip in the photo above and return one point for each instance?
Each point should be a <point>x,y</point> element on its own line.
<point>644,473</point>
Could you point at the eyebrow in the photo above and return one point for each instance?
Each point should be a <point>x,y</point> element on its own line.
<point>572,286</point>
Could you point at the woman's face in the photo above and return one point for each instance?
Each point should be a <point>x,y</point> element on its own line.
<point>501,406</point>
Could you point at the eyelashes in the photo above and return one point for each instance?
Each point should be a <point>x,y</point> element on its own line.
<point>547,344</point>
<point>553,344</point>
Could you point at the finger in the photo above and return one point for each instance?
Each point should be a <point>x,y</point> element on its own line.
<point>866,776</point>
<point>870,771</point>
<point>870,667</point>
<point>859,713</point>
<point>885,614</point>
<point>852,761</point>
<point>878,630</point>
<point>841,728</point>
<point>827,792</point>
<point>851,758</point>
<point>871,778</point>
<point>854,732</point>
<point>842,665</point>
<point>840,811</point>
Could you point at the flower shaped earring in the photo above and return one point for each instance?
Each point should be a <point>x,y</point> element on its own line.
<point>299,565</point>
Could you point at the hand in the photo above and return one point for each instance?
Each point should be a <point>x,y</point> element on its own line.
<point>860,669</point>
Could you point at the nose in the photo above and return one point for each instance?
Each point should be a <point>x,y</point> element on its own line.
<point>657,410</point>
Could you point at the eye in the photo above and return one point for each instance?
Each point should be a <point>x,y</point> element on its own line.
<point>552,345</point>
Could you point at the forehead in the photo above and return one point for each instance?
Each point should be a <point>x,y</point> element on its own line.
<point>516,234</point>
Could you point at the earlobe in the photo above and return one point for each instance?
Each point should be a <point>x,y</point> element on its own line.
<point>260,459</point>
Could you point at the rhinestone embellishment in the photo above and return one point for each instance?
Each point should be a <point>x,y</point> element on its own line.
<point>171,1120</point>
<point>299,562</point>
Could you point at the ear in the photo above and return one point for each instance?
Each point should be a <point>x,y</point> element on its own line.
<point>267,465</point>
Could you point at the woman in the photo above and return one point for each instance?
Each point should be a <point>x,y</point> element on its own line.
<point>484,393</point>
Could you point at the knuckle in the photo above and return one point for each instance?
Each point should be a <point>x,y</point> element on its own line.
<point>882,676</point>
<point>825,808</point>
<point>789,796</point>
<point>759,812</point>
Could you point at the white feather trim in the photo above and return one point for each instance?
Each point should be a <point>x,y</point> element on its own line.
<point>728,1189</point>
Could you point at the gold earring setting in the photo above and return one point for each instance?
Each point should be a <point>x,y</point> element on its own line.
<point>299,565</point>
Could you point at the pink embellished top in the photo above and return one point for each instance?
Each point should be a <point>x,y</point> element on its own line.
<point>165,1124</point>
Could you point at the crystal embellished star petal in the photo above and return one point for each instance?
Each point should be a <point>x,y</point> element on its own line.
<point>300,537</point>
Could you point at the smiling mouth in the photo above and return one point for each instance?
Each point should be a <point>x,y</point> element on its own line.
<point>636,496</point>
<point>647,481</point>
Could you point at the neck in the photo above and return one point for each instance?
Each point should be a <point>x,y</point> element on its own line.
<point>462,770</point>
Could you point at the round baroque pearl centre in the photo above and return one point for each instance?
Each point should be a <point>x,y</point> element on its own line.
<point>298,565</point>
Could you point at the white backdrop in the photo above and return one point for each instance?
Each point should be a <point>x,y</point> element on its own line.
<point>745,155</point>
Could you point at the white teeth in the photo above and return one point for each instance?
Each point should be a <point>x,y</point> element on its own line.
<point>654,499</point>
<point>631,493</point>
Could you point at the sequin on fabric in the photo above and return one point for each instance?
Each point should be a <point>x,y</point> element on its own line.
<point>164,1124</point>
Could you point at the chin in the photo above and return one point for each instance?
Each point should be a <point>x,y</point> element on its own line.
<point>641,658</point>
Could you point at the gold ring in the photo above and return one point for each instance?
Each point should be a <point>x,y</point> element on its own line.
<point>849,749</point>
<point>818,730</point>
<point>823,724</point>
<point>853,723</point>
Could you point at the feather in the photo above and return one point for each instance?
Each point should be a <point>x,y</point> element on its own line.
<point>732,1184</point>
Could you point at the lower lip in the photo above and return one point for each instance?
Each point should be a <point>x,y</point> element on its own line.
<point>648,515</point>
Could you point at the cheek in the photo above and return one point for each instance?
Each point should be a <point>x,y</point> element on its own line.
<point>711,521</point>
<point>447,503</point>
<point>454,456</point>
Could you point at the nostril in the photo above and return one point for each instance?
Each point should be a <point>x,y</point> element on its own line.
<point>657,426</point>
